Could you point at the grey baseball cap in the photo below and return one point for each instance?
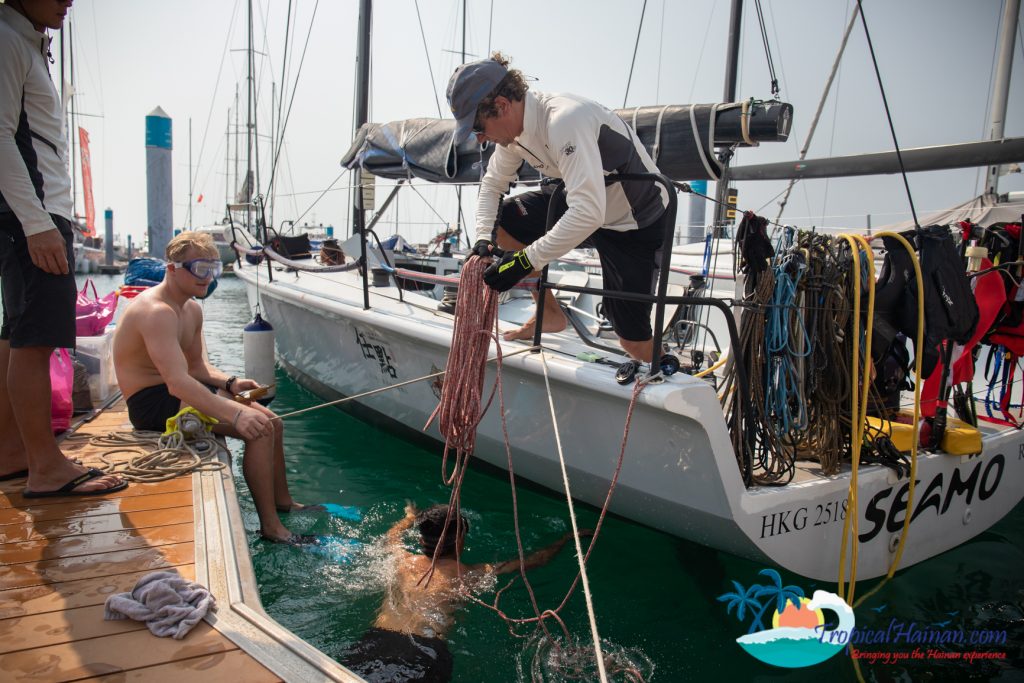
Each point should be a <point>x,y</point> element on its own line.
<point>470,84</point>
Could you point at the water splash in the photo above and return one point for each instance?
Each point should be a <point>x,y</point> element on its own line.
<point>560,661</point>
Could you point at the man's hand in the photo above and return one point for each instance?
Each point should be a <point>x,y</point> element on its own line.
<point>48,251</point>
<point>506,273</point>
<point>485,249</point>
<point>252,423</point>
<point>240,385</point>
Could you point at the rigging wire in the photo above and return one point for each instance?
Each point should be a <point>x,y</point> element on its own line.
<point>700,59</point>
<point>636,46</point>
<point>216,87</point>
<point>490,27</point>
<point>985,122</point>
<point>291,101</point>
<point>888,114</point>
<point>767,50</point>
<point>310,207</point>
<point>280,101</point>
<point>821,106</point>
<point>426,53</point>
<point>661,44</point>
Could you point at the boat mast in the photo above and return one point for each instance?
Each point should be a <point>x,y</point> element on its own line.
<point>248,127</point>
<point>1001,86</point>
<point>189,213</point>
<point>234,185</point>
<point>361,116</point>
<point>227,161</point>
<point>731,70</point>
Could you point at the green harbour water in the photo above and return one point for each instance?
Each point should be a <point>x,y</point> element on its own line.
<point>654,594</point>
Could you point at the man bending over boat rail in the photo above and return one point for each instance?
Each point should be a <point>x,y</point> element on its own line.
<point>569,137</point>
<point>37,260</point>
<point>162,367</point>
<point>406,642</point>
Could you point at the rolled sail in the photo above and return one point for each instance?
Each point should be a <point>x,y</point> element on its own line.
<point>680,138</point>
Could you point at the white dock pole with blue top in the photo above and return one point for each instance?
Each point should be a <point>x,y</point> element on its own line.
<point>159,201</point>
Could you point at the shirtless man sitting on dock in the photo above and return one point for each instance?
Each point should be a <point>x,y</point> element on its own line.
<point>162,368</point>
<point>406,642</point>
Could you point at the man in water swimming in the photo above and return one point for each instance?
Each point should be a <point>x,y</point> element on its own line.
<point>162,368</point>
<point>406,642</point>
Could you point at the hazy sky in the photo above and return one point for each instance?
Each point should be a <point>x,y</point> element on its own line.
<point>936,58</point>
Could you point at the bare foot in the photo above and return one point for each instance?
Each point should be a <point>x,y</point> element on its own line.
<point>288,538</point>
<point>54,478</point>
<point>527,330</point>
<point>299,507</point>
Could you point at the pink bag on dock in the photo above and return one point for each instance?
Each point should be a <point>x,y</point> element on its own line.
<point>93,314</point>
<point>62,382</point>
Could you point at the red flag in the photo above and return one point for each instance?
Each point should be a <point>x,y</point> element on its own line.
<point>90,209</point>
<point>199,200</point>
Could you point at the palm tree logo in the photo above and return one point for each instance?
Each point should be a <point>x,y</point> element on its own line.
<point>757,599</point>
<point>786,629</point>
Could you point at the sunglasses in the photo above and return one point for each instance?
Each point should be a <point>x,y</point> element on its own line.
<point>202,268</point>
<point>478,126</point>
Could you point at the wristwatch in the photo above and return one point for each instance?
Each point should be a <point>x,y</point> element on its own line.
<point>227,385</point>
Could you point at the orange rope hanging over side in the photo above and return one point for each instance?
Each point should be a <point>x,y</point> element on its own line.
<point>459,411</point>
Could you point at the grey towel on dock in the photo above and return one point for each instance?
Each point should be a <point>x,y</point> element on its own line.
<point>169,604</point>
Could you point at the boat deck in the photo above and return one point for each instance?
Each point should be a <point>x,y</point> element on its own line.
<point>61,557</point>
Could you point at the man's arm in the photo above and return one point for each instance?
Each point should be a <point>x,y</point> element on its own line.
<point>199,365</point>
<point>45,244</point>
<point>536,559</point>
<point>394,535</point>
<point>573,138</point>
<point>160,335</point>
<point>502,170</point>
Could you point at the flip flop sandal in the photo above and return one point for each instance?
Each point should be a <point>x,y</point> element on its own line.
<point>69,488</point>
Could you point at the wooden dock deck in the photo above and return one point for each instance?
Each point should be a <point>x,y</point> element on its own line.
<point>61,557</point>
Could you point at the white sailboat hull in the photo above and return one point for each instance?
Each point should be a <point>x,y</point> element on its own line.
<point>679,474</point>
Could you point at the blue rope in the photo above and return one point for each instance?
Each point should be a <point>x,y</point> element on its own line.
<point>784,330</point>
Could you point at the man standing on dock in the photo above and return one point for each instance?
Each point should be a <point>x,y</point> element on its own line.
<point>162,368</point>
<point>569,137</point>
<point>36,254</point>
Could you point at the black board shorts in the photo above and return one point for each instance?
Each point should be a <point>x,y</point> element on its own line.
<point>384,655</point>
<point>629,259</point>
<point>38,307</point>
<point>150,408</point>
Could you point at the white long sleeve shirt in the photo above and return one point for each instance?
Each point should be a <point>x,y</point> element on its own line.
<point>572,138</point>
<point>34,179</point>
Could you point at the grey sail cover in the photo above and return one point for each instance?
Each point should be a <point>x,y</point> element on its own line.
<point>680,139</point>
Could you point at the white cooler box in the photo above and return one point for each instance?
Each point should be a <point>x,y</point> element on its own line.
<point>96,354</point>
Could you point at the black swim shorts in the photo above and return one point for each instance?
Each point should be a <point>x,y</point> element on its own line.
<point>384,655</point>
<point>150,408</point>
<point>629,259</point>
<point>38,307</point>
